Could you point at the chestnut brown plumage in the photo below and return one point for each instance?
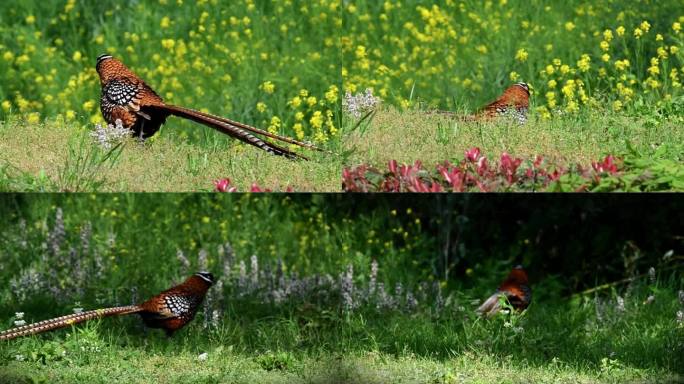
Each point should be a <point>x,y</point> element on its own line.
<point>514,102</point>
<point>170,310</point>
<point>126,97</point>
<point>516,290</point>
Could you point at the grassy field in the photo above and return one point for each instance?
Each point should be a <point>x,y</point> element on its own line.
<point>308,306</point>
<point>64,157</point>
<point>273,65</point>
<point>601,74</point>
<point>581,138</point>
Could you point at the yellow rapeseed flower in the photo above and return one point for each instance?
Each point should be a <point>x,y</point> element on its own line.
<point>604,45</point>
<point>6,105</point>
<point>261,107</point>
<point>316,120</point>
<point>33,118</point>
<point>550,69</point>
<point>268,87</point>
<point>521,55</point>
<point>299,116</point>
<point>8,56</point>
<point>620,30</point>
<point>77,56</point>
<point>311,101</point>
<point>514,76</point>
<point>662,52</point>
<point>70,114</point>
<point>638,33</point>
<point>295,102</point>
<point>605,57</point>
<point>645,26</point>
<point>676,26</point>
<point>659,37</point>
<point>584,63</point>
<point>569,26</point>
<point>552,84</point>
<point>617,105</point>
<point>165,22</point>
<point>621,65</point>
<point>30,19</point>
<point>332,94</point>
<point>608,35</point>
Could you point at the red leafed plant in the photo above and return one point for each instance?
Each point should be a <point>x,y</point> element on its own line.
<point>474,173</point>
<point>224,185</point>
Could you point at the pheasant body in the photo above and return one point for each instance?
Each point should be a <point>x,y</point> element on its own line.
<point>516,290</point>
<point>126,97</point>
<point>513,102</point>
<point>170,310</point>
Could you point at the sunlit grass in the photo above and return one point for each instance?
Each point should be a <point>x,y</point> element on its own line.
<point>415,134</point>
<point>54,156</point>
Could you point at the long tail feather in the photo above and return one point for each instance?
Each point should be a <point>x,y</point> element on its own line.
<point>65,321</point>
<point>255,130</point>
<point>230,129</point>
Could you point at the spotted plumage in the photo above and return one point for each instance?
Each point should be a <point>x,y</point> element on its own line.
<point>128,98</point>
<point>170,310</point>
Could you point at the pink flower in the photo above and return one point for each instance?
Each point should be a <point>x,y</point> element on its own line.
<point>223,185</point>
<point>473,154</point>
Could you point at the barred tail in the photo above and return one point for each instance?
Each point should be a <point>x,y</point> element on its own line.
<point>65,321</point>
<point>237,130</point>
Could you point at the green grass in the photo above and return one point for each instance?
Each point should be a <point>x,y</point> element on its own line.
<point>553,342</point>
<point>415,134</point>
<point>110,244</point>
<point>58,156</point>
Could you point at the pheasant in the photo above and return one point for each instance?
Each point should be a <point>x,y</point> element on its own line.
<point>170,310</point>
<point>128,98</point>
<point>515,289</point>
<point>514,102</point>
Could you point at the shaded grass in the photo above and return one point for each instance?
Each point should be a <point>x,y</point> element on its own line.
<point>432,138</point>
<point>51,157</point>
<point>552,342</point>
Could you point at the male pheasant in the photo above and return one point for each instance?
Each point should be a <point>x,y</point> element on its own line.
<point>170,310</point>
<point>128,98</point>
<point>516,290</point>
<point>514,102</point>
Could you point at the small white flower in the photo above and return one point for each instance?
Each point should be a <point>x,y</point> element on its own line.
<point>19,315</point>
<point>110,135</point>
<point>19,323</point>
<point>203,356</point>
<point>19,357</point>
<point>78,310</point>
